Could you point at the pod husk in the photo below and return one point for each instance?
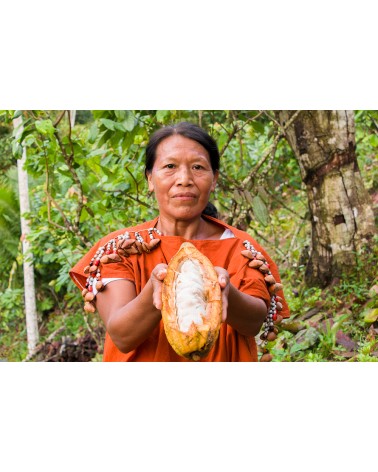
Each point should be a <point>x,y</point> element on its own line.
<point>199,339</point>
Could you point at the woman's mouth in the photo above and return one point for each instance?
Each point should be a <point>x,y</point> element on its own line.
<point>187,196</point>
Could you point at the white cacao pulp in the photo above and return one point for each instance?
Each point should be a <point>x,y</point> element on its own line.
<point>189,290</point>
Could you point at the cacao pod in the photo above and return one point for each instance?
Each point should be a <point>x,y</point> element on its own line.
<point>191,303</point>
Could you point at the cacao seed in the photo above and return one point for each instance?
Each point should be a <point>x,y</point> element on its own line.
<point>273,289</point>
<point>138,247</point>
<point>126,243</point>
<point>89,308</point>
<point>269,279</point>
<point>132,250</point>
<point>99,286</point>
<point>248,254</point>
<point>264,269</point>
<point>271,336</point>
<point>255,264</point>
<point>260,257</point>
<point>114,258</point>
<point>267,357</point>
<point>89,297</point>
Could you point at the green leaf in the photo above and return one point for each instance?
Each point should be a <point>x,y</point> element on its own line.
<point>93,133</point>
<point>16,149</point>
<point>371,315</point>
<point>109,124</point>
<point>45,127</point>
<point>257,126</point>
<point>260,210</point>
<point>161,115</point>
<point>16,114</point>
<point>120,114</point>
<point>90,211</point>
<point>248,196</point>
<point>305,339</point>
<point>129,122</point>
<point>120,127</point>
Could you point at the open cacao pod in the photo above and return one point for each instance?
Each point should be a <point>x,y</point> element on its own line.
<point>191,303</point>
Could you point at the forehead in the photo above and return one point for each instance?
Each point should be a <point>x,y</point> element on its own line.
<point>177,145</point>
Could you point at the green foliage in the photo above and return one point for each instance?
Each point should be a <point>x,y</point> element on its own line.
<point>89,180</point>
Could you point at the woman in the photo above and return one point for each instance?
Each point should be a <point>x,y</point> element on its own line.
<point>182,168</point>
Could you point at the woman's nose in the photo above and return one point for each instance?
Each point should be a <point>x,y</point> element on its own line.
<point>184,176</point>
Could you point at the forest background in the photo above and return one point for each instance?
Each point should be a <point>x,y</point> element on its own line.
<point>85,173</point>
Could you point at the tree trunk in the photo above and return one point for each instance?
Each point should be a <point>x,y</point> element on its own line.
<point>29,287</point>
<point>340,208</point>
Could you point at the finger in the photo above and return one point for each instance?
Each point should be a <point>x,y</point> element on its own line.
<point>161,273</point>
<point>223,281</point>
<point>224,309</point>
<point>156,299</point>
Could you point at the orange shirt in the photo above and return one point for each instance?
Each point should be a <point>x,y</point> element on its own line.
<point>226,253</point>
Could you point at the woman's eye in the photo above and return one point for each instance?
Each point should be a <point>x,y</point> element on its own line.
<point>170,166</point>
<point>197,167</point>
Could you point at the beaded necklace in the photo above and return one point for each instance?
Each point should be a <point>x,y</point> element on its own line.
<point>124,246</point>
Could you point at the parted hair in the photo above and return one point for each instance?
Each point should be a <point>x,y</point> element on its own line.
<point>188,130</point>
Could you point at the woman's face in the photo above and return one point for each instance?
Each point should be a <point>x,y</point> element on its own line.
<point>181,178</point>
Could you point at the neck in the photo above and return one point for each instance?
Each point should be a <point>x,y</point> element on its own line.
<point>188,229</point>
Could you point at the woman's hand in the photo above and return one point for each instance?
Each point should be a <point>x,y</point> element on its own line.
<point>157,277</point>
<point>224,282</point>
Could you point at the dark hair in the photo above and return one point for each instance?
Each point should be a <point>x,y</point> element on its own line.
<point>188,130</point>
<point>210,210</point>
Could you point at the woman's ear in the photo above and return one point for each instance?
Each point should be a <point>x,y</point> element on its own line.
<point>216,175</point>
<point>150,184</point>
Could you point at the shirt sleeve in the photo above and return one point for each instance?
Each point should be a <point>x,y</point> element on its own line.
<point>121,270</point>
<point>253,283</point>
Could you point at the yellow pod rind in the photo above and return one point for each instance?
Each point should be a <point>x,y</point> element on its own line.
<point>200,338</point>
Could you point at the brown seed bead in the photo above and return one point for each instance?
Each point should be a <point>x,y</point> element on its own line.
<point>279,319</point>
<point>138,246</point>
<point>146,248</point>
<point>89,297</point>
<point>153,243</point>
<point>264,269</point>
<point>114,258</point>
<point>279,306</point>
<point>99,286</point>
<point>132,250</point>
<point>267,357</point>
<point>247,254</point>
<point>104,259</point>
<point>271,336</point>
<point>273,289</point>
<point>269,279</point>
<point>260,257</point>
<point>93,269</point>
<point>84,292</point>
<point>89,308</point>
<point>126,243</point>
<point>122,252</point>
<point>263,336</point>
<point>86,269</point>
<point>279,299</point>
<point>255,264</point>
<point>275,330</point>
